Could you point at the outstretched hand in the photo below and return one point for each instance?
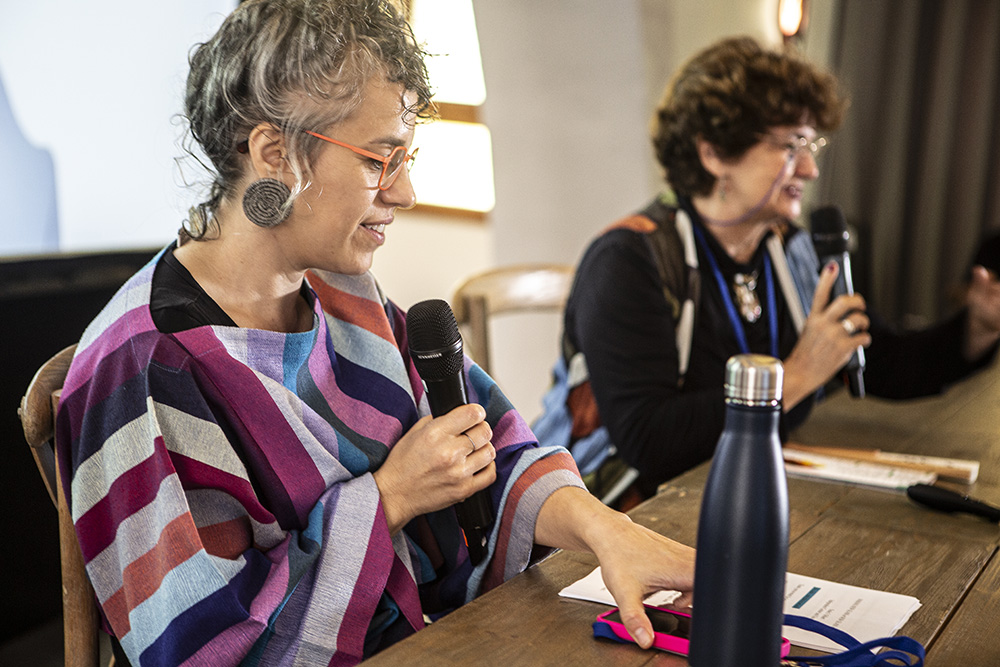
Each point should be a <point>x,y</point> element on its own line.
<point>832,332</point>
<point>638,563</point>
<point>635,561</point>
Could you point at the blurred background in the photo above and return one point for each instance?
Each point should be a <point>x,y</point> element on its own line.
<point>543,142</point>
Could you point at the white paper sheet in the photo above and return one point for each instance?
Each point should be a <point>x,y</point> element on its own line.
<point>863,613</point>
<point>592,589</point>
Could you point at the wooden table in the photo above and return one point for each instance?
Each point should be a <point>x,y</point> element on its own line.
<point>859,536</point>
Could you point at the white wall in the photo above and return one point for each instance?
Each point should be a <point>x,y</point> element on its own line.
<point>95,85</point>
<point>425,257</point>
<point>571,85</point>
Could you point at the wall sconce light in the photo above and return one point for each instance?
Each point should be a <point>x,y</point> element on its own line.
<point>792,16</point>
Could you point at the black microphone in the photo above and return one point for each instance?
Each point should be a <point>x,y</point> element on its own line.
<point>947,500</point>
<point>436,349</point>
<point>830,237</point>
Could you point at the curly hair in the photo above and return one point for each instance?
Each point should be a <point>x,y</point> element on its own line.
<point>729,94</point>
<point>283,62</point>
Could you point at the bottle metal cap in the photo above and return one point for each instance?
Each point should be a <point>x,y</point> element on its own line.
<point>754,379</point>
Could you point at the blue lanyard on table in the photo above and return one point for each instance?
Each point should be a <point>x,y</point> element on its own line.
<point>727,299</point>
<point>903,650</point>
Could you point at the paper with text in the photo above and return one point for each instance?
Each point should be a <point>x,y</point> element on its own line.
<point>863,613</point>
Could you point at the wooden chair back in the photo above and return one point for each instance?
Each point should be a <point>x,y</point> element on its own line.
<point>81,624</point>
<point>509,289</point>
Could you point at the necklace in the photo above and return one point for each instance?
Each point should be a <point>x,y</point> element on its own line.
<point>744,285</point>
<point>734,319</point>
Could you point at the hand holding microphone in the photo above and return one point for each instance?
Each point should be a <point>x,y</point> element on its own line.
<point>830,237</point>
<point>436,349</point>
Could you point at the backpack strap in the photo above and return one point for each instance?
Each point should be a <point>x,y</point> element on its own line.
<point>689,309</point>
<point>669,233</point>
<point>571,417</point>
<point>673,249</point>
<point>783,274</point>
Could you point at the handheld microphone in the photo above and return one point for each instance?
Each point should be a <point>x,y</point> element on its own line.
<point>830,237</point>
<point>436,349</point>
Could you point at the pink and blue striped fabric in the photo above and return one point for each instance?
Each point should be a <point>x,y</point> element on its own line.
<point>220,483</point>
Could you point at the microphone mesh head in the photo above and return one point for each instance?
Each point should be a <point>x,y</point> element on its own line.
<point>435,343</point>
<point>829,231</point>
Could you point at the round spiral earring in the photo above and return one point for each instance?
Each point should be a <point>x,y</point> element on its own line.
<point>264,202</point>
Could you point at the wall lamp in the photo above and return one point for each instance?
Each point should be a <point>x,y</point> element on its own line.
<point>792,18</point>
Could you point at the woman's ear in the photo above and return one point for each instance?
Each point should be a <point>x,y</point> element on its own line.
<point>709,157</point>
<point>266,146</point>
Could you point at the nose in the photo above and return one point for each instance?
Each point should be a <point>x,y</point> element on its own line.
<point>400,194</point>
<point>805,166</point>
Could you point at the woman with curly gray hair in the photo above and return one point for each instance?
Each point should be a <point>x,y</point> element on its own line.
<point>717,266</point>
<point>254,473</point>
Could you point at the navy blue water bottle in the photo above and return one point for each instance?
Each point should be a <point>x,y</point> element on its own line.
<point>739,578</point>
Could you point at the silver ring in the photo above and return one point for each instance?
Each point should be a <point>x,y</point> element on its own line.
<point>471,442</point>
<point>848,326</point>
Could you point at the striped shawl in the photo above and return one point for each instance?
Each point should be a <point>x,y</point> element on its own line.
<point>220,484</point>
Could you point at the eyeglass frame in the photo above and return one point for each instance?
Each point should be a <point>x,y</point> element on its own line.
<point>797,146</point>
<point>407,161</point>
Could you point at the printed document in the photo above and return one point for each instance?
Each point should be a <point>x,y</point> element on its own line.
<point>863,613</point>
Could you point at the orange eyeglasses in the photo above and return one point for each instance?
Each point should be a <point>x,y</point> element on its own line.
<point>391,165</point>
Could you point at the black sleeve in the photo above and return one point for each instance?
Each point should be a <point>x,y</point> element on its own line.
<point>910,364</point>
<point>619,318</point>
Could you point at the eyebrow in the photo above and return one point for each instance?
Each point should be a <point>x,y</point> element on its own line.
<point>388,141</point>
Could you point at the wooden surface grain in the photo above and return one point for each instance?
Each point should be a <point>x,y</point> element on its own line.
<point>854,535</point>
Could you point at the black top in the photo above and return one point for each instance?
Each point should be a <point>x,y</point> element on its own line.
<point>177,302</point>
<point>617,316</point>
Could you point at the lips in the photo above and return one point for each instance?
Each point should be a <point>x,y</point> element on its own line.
<point>376,230</point>
<point>794,191</point>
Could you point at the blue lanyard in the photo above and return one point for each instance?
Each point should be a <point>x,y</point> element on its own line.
<point>727,299</point>
<point>903,650</point>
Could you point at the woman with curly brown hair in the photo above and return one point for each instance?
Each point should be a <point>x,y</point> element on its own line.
<point>717,267</point>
